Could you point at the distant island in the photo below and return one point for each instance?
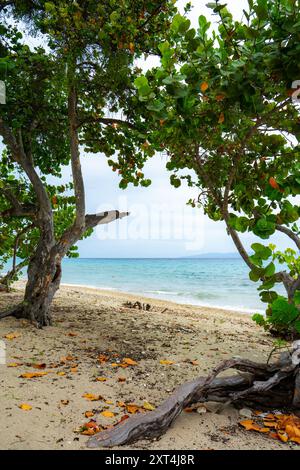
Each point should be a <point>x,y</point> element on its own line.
<point>214,256</point>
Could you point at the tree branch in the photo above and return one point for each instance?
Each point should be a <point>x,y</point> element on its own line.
<point>75,162</point>
<point>91,220</point>
<point>287,231</point>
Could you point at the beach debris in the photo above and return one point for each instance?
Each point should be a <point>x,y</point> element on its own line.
<point>137,305</point>
<point>90,429</point>
<point>166,362</point>
<point>285,428</point>
<point>268,385</point>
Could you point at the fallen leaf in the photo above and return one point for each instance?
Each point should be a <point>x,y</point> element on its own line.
<point>108,414</point>
<point>132,408</point>
<point>129,362</point>
<point>32,375</point>
<point>109,402</point>
<point>91,397</point>
<point>148,406</point>
<point>72,334</point>
<point>74,370</point>
<point>121,379</point>
<point>89,414</point>
<point>61,373</point>
<point>102,358</point>
<point>220,97</point>
<point>11,336</point>
<point>25,407</point>
<point>166,362</point>
<point>101,379</point>
<point>37,366</point>
<point>65,359</point>
<point>121,404</point>
<point>14,364</point>
<point>90,428</point>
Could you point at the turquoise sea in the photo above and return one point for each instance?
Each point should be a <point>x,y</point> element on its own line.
<point>208,282</point>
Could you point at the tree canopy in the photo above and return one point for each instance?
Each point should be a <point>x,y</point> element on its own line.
<point>220,104</point>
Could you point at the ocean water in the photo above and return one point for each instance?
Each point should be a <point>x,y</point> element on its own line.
<point>207,282</point>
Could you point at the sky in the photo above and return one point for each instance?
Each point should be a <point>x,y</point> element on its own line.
<point>160,223</point>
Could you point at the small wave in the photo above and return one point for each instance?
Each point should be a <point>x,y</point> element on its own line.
<point>87,286</point>
<point>167,292</point>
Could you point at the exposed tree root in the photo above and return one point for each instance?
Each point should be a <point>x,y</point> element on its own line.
<point>268,386</point>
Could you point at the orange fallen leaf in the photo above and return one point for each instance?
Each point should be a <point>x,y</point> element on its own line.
<point>74,370</point>
<point>38,366</point>
<point>25,407</point>
<point>129,362</point>
<point>132,408</point>
<point>121,404</point>
<point>109,402</point>
<point>65,359</point>
<point>283,436</point>
<point>90,428</point>
<point>89,414</point>
<point>71,333</point>
<point>166,362</point>
<point>32,375</point>
<point>108,414</point>
<point>102,358</point>
<point>60,373</point>
<point>101,379</point>
<point>195,363</point>
<point>249,425</point>
<point>11,336</point>
<point>92,397</point>
<point>122,379</point>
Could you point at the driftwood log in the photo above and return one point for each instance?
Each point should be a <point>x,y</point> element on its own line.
<point>269,386</point>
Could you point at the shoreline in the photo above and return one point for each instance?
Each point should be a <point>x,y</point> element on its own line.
<point>107,289</point>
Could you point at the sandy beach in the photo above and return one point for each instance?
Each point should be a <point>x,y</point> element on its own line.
<point>89,324</point>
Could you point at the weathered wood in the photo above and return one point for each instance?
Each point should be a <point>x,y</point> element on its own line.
<point>267,385</point>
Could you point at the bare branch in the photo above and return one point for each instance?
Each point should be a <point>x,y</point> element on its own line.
<point>292,235</point>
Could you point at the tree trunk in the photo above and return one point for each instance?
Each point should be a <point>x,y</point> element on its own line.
<point>44,276</point>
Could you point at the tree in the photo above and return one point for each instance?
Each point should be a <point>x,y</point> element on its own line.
<point>73,94</point>
<point>220,105</point>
